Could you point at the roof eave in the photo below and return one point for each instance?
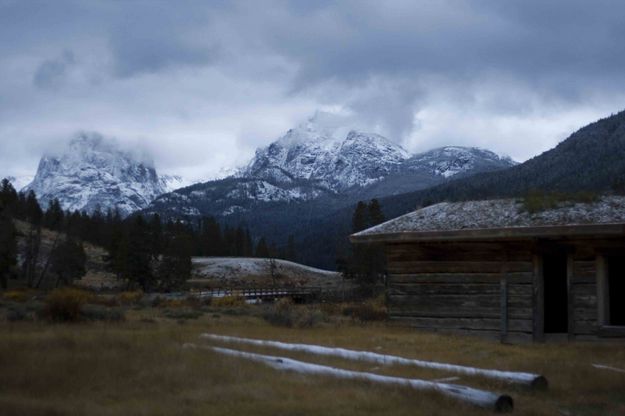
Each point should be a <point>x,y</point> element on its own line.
<point>509,233</point>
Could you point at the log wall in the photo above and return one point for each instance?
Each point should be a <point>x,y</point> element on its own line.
<point>584,296</point>
<point>462,287</point>
<point>493,288</point>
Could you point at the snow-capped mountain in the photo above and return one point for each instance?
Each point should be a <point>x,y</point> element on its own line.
<point>170,183</point>
<point>312,153</point>
<point>450,161</point>
<point>94,172</point>
<point>314,164</point>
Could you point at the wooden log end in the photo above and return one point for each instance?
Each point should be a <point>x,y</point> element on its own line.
<point>504,404</point>
<point>539,383</point>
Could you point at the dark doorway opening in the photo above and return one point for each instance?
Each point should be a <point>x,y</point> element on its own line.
<point>616,290</point>
<point>556,293</point>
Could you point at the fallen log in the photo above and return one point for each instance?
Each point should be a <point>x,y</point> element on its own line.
<point>481,398</point>
<point>535,381</point>
<point>607,367</point>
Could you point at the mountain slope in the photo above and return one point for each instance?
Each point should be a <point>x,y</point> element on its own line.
<point>310,152</point>
<point>94,172</point>
<point>591,159</point>
<point>436,166</point>
<point>323,170</point>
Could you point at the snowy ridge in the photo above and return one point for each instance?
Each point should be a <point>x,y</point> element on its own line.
<point>310,152</point>
<point>317,159</point>
<point>93,172</point>
<point>450,161</point>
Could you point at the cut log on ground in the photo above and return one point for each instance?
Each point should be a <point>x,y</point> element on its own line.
<point>607,367</point>
<point>535,381</point>
<point>481,398</point>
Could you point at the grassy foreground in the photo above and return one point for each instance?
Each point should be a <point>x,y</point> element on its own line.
<point>138,367</point>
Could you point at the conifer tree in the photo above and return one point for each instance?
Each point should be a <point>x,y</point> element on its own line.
<point>210,238</point>
<point>33,212</point>
<point>360,218</point>
<point>54,216</point>
<point>31,254</point>
<point>249,246</point>
<point>367,262</point>
<point>68,261</point>
<point>8,197</point>
<point>262,250</point>
<point>175,267</point>
<point>375,213</point>
<point>156,235</point>
<point>8,248</point>
<point>290,253</point>
<point>139,254</point>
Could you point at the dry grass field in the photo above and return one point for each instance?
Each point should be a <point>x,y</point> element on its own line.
<point>138,367</point>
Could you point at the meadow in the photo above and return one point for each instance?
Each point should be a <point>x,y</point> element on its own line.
<point>138,366</point>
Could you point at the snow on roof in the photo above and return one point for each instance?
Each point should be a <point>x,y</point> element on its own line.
<point>498,214</point>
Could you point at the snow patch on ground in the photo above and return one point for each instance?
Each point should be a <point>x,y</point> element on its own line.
<point>231,270</point>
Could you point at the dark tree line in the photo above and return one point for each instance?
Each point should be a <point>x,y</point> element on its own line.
<point>214,240</point>
<point>366,262</point>
<point>64,261</point>
<point>146,252</point>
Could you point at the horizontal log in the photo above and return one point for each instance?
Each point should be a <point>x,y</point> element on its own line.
<point>456,289</point>
<point>443,288</point>
<point>584,289</point>
<point>463,277</point>
<point>456,312</point>
<point>611,331</point>
<point>587,301</point>
<point>584,280</point>
<point>458,266</point>
<point>458,252</point>
<point>443,300</point>
<point>584,271</point>
<point>585,327</point>
<point>519,325</point>
<point>495,334</point>
<point>585,313</point>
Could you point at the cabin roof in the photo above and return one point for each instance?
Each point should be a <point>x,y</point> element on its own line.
<point>501,219</point>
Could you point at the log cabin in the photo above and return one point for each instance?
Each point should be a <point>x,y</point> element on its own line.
<point>491,267</point>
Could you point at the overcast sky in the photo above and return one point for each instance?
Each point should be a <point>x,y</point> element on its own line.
<point>202,84</point>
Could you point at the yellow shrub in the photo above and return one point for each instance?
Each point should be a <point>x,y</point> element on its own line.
<point>173,303</point>
<point>104,300</point>
<point>65,304</point>
<point>126,298</point>
<point>228,301</point>
<point>17,295</point>
<point>371,310</point>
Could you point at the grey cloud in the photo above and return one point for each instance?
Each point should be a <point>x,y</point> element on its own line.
<point>52,73</point>
<point>149,39</point>
<point>564,51</point>
<point>226,76</point>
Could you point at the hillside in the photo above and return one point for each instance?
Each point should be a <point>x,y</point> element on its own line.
<point>293,184</point>
<point>591,159</point>
<point>97,275</point>
<point>229,272</point>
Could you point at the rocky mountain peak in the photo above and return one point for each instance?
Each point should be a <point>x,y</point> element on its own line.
<point>313,151</point>
<point>92,172</point>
